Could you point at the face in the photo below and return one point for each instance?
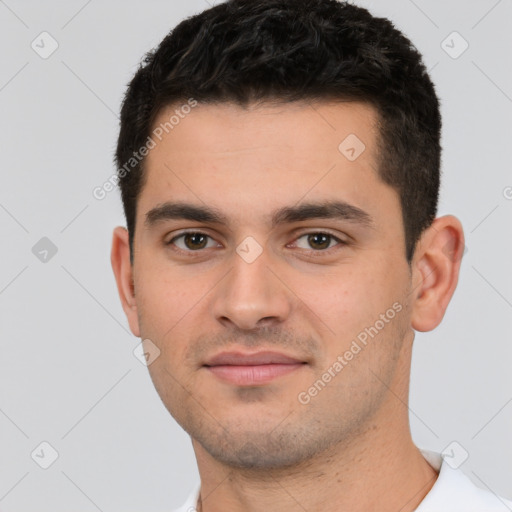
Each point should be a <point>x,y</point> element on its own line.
<point>275,285</point>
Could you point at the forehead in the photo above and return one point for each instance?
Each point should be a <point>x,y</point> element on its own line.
<point>299,126</point>
<point>224,154</point>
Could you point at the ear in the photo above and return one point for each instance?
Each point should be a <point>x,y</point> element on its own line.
<point>123,271</point>
<point>435,269</point>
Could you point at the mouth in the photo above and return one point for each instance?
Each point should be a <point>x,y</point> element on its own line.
<point>252,369</point>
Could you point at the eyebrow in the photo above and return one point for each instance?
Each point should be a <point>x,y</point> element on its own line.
<point>337,210</point>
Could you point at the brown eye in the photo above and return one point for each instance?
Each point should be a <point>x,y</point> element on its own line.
<point>318,241</point>
<point>192,241</point>
<point>195,240</point>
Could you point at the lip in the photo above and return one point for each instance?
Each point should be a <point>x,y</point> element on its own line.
<point>248,359</point>
<point>253,369</point>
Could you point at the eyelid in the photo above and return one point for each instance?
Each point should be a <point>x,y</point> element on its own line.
<point>181,234</point>
<point>297,236</point>
<point>325,231</point>
<point>341,242</point>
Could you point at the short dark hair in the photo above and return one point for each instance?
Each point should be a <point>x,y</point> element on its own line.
<point>244,51</point>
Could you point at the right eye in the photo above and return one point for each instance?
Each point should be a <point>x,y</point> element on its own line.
<point>192,241</point>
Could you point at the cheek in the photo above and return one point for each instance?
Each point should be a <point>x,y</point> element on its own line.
<point>165,309</point>
<point>163,304</point>
<point>359,311</point>
<point>163,292</point>
<point>346,299</point>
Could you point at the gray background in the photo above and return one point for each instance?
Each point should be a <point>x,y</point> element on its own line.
<point>67,372</point>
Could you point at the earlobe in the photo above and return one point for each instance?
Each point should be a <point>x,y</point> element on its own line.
<point>123,272</point>
<point>436,266</point>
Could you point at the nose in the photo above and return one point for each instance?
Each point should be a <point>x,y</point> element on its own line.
<point>252,295</point>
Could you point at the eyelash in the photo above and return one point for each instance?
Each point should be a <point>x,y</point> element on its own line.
<point>315,252</point>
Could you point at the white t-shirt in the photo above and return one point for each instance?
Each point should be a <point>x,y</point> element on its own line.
<point>453,491</point>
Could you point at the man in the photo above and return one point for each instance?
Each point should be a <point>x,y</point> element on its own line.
<point>279,169</point>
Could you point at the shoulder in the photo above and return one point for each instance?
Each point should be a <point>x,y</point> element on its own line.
<point>455,492</point>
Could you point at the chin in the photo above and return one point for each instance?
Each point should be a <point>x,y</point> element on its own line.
<point>264,449</point>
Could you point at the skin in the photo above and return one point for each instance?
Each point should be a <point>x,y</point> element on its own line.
<point>259,448</point>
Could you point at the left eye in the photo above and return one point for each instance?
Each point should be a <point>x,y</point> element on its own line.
<point>318,241</point>
<point>192,241</point>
